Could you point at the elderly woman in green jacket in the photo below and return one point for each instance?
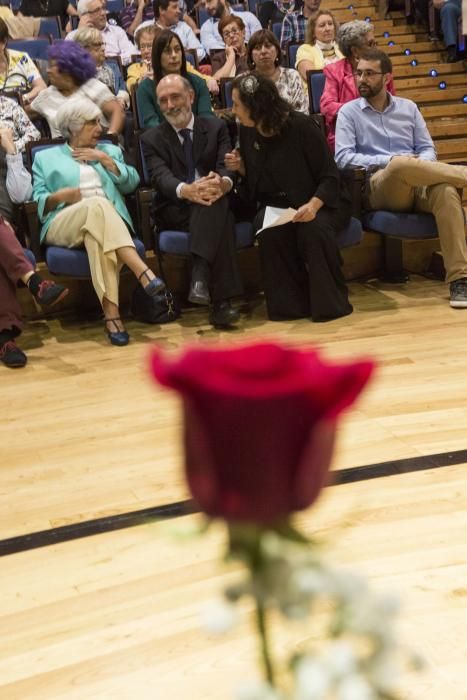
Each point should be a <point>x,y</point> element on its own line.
<point>79,188</point>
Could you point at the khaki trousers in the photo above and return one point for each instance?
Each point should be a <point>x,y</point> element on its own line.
<point>410,184</point>
<point>94,223</point>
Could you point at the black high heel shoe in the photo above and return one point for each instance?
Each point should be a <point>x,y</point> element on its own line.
<point>117,337</point>
<point>154,286</point>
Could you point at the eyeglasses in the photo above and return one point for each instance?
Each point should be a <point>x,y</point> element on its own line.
<point>97,45</point>
<point>142,47</point>
<point>367,73</point>
<point>232,32</point>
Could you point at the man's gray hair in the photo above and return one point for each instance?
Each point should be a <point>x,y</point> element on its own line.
<point>351,35</point>
<point>83,6</point>
<point>74,113</point>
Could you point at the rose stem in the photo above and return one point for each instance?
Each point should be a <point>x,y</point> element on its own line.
<point>265,653</point>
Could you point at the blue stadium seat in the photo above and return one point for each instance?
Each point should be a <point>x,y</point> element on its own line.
<point>50,26</point>
<point>37,49</point>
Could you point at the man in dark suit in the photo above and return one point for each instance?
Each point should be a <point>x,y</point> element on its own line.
<point>185,158</point>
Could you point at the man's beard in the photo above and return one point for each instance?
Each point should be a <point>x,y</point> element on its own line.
<point>178,117</point>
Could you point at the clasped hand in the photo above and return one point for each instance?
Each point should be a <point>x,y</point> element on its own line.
<point>206,190</point>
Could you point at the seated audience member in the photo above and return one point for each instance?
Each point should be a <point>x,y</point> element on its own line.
<point>15,187</point>
<point>264,56</point>
<point>92,13</point>
<point>341,83</point>
<point>17,70</point>
<point>50,8</point>
<point>273,11</point>
<point>229,62</point>
<point>168,57</point>
<point>134,13</point>
<point>167,16</point>
<point>450,12</point>
<point>320,47</point>
<point>138,71</point>
<point>285,162</point>
<point>388,136</point>
<point>13,117</point>
<point>107,71</point>
<point>79,188</point>
<point>71,73</point>
<point>294,24</point>
<point>219,9</point>
<point>185,159</point>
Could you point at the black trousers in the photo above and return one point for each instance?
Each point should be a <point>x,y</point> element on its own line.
<point>301,265</point>
<point>212,237</point>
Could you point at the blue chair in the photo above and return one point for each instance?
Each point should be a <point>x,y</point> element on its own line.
<point>114,6</point>
<point>315,82</point>
<point>292,49</point>
<point>51,26</point>
<point>62,262</point>
<point>252,6</point>
<point>202,15</point>
<point>277,30</point>
<point>192,57</point>
<point>30,256</point>
<point>226,92</point>
<point>37,49</point>
<point>396,227</point>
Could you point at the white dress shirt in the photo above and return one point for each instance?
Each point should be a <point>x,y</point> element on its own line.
<point>116,42</point>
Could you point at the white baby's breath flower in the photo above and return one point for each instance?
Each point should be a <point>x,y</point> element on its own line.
<point>355,687</point>
<point>311,581</point>
<point>340,659</point>
<point>312,679</point>
<point>348,586</point>
<point>384,673</point>
<point>252,690</point>
<point>218,616</point>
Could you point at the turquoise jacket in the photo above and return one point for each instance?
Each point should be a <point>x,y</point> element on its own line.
<point>54,168</point>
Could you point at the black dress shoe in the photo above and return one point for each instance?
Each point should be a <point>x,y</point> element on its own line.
<point>223,315</point>
<point>199,293</point>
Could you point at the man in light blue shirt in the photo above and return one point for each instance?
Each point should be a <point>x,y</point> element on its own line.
<point>167,16</point>
<point>210,37</point>
<point>388,136</point>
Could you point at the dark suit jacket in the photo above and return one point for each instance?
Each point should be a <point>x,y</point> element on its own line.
<point>298,161</point>
<point>165,159</point>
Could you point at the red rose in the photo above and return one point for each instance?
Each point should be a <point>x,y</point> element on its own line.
<point>259,424</point>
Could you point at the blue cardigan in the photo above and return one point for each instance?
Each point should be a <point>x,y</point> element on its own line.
<point>55,167</point>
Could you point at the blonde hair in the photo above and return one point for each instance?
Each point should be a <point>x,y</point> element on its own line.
<point>87,36</point>
<point>311,24</point>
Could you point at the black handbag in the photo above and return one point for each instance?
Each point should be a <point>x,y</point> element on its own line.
<point>162,308</point>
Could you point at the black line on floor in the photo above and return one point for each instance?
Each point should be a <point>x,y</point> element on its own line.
<point>74,531</point>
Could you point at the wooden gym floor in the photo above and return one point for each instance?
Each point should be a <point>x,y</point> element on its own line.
<point>91,611</point>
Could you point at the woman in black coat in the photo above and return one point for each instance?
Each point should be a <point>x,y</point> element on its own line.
<point>285,162</point>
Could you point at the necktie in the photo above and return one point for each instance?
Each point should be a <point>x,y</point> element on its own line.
<point>188,151</point>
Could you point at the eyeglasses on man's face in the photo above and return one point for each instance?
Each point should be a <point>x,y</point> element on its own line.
<point>367,73</point>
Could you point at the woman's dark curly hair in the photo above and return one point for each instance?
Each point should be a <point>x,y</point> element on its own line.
<point>163,40</point>
<point>260,96</point>
<point>71,58</point>
<point>257,40</point>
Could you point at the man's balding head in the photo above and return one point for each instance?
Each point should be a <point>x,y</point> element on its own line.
<point>175,96</point>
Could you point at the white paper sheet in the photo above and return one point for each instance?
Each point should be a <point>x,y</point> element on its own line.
<point>275,216</point>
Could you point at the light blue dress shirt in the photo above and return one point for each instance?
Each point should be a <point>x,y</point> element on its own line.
<point>369,139</point>
<point>210,37</point>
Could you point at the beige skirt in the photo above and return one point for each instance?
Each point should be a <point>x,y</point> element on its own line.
<point>94,223</point>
